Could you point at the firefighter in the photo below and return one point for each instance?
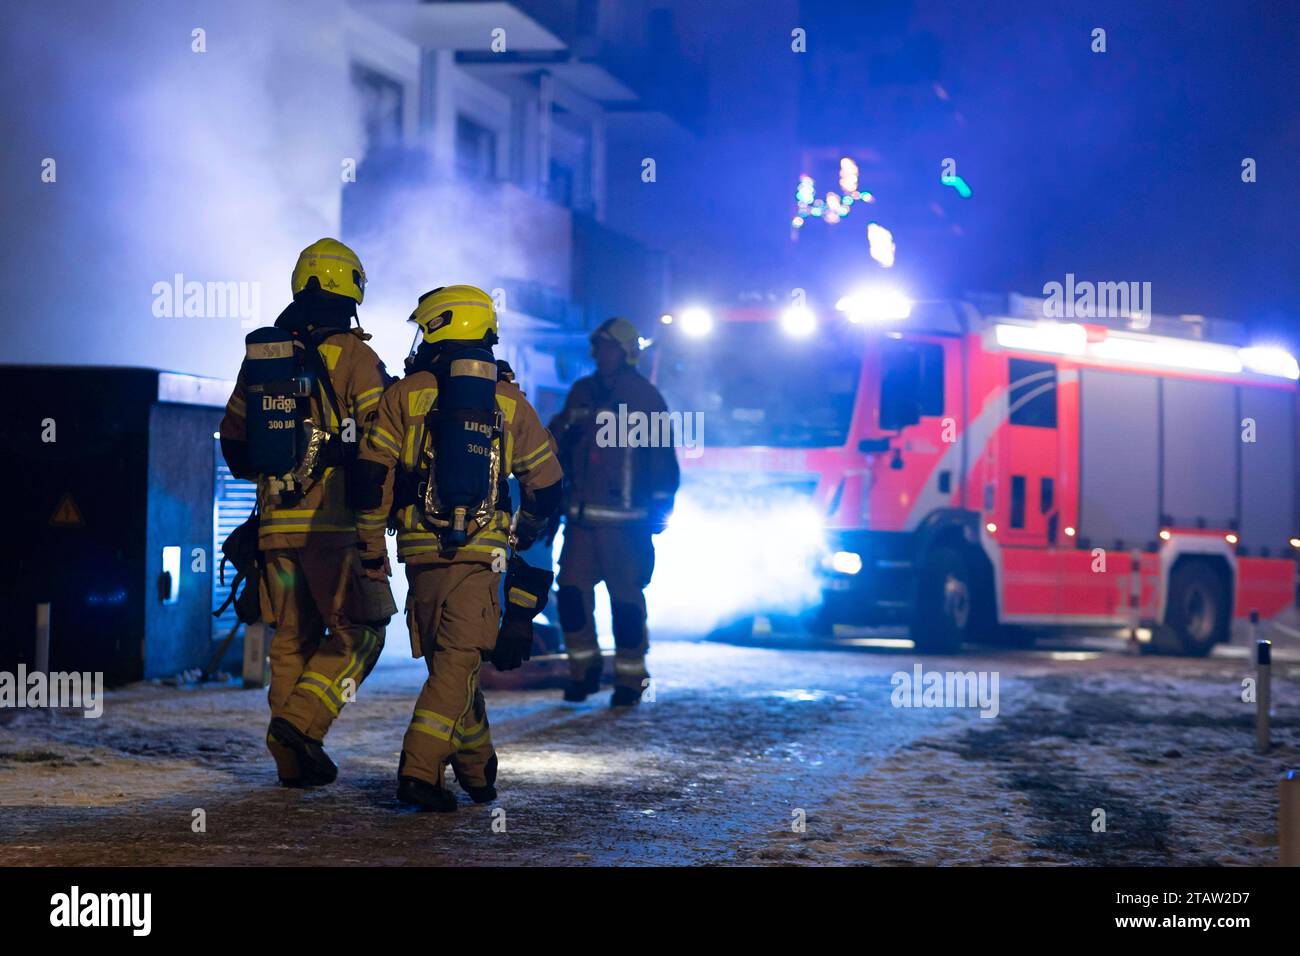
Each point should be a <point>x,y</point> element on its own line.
<point>311,587</point>
<point>436,459</point>
<point>616,499</point>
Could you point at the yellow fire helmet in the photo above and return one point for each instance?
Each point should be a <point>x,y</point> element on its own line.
<point>622,333</point>
<point>336,267</point>
<point>455,313</point>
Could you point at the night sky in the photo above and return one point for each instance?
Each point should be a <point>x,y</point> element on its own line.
<point>1116,166</point>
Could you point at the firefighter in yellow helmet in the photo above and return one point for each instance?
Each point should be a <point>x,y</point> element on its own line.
<point>305,392</point>
<point>435,463</point>
<point>616,498</point>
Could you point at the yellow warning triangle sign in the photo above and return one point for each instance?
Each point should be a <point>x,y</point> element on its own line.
<point>67,514</point>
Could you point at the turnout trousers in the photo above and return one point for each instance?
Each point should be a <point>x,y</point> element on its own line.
<point>623,556</point>
<point>453,611</point>
<point>320,653</point>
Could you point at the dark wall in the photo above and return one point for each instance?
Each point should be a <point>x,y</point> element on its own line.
<point>88,572</point>
<point>141,476</point>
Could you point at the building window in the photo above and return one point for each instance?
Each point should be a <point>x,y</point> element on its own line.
<point>476,149</point>
<point>381,106</point>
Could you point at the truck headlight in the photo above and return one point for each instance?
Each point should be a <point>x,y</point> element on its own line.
<point>798,321</point>
<point>843,562</point>
<point>697,322</point>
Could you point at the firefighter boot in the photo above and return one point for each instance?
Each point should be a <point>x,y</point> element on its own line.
<point>317,769</point>
<point>286,762</point>
<point>421,794</point>
<point>625,697</point>
<point>425,796</point>
<point>576,691</point>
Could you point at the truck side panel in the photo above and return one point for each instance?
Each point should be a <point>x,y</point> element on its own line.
<point>1199,447</point>
<point>1119,464</point>
<point>1267,471</point>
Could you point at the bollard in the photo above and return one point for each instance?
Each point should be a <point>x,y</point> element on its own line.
<point>1288,819</point>
<point>1263,666</point>
<point>255,655</point>
<point>1134,600</point>
<point>41,659</point>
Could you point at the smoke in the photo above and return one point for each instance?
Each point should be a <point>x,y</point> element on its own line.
<point>218,166</point>
<point>435,230</point>
<point>727,555</point>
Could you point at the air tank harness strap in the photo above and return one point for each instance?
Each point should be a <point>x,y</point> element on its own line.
<point>408,489</point>
<point>336,452</point>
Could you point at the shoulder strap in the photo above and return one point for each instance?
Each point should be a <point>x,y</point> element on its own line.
<point>322,372</point>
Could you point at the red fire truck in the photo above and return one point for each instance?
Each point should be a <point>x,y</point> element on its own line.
<point>983,472</point>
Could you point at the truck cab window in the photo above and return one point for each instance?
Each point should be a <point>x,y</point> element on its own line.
<point>911,383</point>
<point>1031,394</point>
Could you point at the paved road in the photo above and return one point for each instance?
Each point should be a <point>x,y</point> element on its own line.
<point>774,752</point>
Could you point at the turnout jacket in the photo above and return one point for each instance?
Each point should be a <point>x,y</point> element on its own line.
<point>322,517</point>
<point>612,482</point>
<point>393,444</point>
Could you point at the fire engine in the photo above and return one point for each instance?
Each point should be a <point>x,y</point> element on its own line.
<point>981,472</point>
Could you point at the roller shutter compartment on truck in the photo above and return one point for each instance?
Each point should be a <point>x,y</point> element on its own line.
<point>1119,458</point>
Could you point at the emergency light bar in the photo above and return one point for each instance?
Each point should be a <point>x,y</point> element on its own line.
<point>1063,338</point>
<point>1202,356</point>
<point>1068,338</point>
<point>1269,360</point>
<point>875,305</point>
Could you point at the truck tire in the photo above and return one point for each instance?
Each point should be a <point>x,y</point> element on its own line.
<point>1198,612</point>
<point>945,602</point>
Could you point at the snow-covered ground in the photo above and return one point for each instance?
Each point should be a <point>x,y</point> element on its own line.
<point>748,755</point>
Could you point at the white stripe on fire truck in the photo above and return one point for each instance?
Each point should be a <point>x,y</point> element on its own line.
<point>977,436</point>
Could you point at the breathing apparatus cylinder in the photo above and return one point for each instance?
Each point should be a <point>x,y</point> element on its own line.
<point>275,387</point>
<point>465,426</point>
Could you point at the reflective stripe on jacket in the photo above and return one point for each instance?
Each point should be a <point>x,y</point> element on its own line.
<point>395,439</point>
<point>321,516</point>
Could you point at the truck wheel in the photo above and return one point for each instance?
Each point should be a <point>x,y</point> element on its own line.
<point>1198,611</point>
<point>945,602</point>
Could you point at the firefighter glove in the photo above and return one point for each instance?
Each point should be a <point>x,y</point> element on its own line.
<point>527,589</point>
